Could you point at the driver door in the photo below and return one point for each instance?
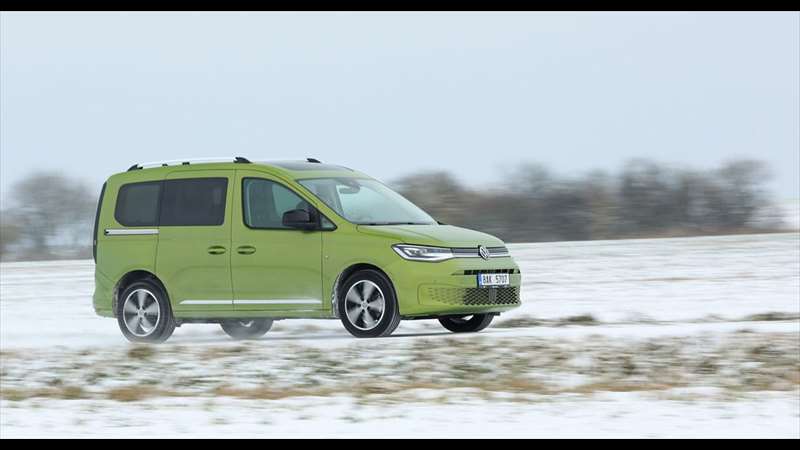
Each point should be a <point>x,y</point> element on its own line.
<point>274,268</point>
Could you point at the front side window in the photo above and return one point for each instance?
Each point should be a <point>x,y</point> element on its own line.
<point>137,204</point>
<point>365,201</point>
<point>266,201</point>
<point>194,202</point>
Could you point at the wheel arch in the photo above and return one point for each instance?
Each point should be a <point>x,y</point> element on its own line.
<point>132,277</point>
<point>346,273</point>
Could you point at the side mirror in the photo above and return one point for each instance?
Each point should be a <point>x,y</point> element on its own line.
<point>300,219</point>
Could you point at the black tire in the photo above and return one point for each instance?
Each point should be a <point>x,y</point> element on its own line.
<point>357,323</point>
<point>139,318</point>
<point>466,324</point>
<point>246,329</point>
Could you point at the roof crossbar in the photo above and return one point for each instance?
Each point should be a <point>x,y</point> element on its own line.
<point>188,161</point>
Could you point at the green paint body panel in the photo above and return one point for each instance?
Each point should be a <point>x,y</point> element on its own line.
<point>302,267</point>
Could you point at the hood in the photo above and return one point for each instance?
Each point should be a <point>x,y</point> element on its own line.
<point>435,235</point>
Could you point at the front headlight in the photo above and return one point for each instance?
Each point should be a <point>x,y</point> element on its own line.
<point>422,253</point>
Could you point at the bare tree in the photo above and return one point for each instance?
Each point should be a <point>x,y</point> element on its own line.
<point>50,206</point>
<point>598,191</point>
<point>743,195</point>
<point>438,193</point>
<point>9,232</point>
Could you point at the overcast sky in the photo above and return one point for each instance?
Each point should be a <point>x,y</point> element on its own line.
<point>390,94</point>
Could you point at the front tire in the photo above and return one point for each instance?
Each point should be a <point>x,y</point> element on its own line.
<point>367,305</point>
<point>246,329</point>
<point>466,324</point>
<point>144,313</point>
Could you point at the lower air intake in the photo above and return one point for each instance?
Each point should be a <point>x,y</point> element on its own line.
<point>475,296</point>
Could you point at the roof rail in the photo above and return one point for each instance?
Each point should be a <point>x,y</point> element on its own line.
<point>188,161</point>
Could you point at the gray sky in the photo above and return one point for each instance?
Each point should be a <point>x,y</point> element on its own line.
<point>393,93</point>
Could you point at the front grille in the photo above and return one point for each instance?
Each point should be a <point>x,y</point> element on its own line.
<point>472,252</point>
<point>475,296</point>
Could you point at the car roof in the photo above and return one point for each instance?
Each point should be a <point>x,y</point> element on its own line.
<point>292,169</point>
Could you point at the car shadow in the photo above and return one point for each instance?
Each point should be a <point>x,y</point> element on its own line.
<point>426,334</point>
<point>276,337</point>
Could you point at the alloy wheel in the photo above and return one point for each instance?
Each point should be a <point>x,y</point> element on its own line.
<point>365,305</point>
<point>141,312</point>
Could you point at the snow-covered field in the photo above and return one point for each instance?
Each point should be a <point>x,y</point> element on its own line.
<point>653,337</point>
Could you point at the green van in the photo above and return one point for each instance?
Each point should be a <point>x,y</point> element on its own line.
<point>243,244</point>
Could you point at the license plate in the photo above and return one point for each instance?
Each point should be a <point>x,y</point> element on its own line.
<point>492,279</point>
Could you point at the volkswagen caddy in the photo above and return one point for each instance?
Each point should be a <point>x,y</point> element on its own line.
<point>243,244</point>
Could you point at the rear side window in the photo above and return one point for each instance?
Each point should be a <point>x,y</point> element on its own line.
<point>137,204</point>
<point>265,202</point>
<point>194,202</point>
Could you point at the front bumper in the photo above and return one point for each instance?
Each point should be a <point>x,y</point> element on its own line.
<point>451,287</point>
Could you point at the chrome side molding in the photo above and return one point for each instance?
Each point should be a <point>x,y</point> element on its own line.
<point>207,302</point>
<point>297,301</point>
<point>129,231</point>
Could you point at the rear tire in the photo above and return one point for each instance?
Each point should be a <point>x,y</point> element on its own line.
<point>466,324</point>
<point>246,329</point>
<point>144,313</point>
<point>367,305</point>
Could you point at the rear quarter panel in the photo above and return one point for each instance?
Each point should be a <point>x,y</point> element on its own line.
<point>119,255</point>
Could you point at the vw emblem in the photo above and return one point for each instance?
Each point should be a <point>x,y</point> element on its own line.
<point>483,251</point>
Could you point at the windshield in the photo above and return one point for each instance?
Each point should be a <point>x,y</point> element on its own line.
<point>365,201</point>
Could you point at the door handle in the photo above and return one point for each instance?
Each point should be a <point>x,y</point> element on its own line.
<point>246,250</point>
<point>216,250</point>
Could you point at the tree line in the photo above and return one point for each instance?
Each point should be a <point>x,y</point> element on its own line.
<point>644,199</point>
<point>50,215</point>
